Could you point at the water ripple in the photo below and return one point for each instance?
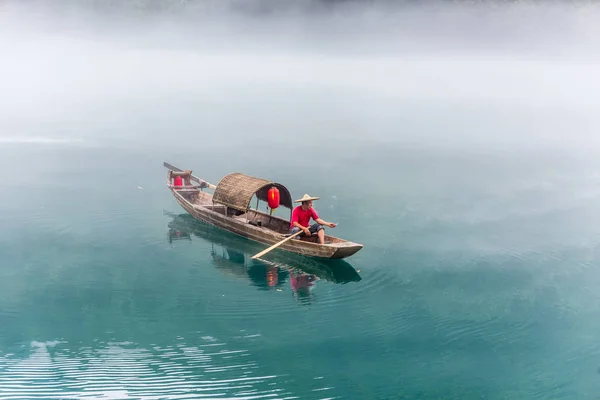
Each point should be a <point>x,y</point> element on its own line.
<point>124,371</point>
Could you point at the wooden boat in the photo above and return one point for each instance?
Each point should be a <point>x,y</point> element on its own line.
<point>231,254</point>
<point>229,208</point>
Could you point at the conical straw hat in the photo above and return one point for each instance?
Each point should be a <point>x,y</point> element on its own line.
<point>306,197</point>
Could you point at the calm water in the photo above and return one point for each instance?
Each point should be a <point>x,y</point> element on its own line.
<point>478,209</point>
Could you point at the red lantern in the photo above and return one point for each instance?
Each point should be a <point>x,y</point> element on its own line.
<point>273,198</point>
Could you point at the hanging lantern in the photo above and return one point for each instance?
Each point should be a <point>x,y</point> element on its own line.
<point>177,182</point>
<point>273,198</point>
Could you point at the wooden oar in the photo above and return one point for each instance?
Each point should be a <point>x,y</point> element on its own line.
<point>262,253</point>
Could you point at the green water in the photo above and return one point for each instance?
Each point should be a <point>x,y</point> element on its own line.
<point>470,177</point>
<point>109,289</point>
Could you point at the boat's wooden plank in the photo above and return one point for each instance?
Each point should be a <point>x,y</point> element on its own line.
<point>263,236</point>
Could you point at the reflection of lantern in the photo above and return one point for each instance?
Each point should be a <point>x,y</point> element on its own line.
<point>273,198</point>
<point>272,277</point>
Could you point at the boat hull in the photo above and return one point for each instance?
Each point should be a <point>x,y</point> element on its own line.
<point>237,251</point>
<point>266,236</point>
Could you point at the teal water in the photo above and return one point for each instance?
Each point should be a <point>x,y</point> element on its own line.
<point>111,290</point>
<point>472,183</point>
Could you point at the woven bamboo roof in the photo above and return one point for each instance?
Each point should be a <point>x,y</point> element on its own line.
<point>236,190</point>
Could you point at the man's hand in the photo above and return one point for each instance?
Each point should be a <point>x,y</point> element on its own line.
<point>306,231</point>
<point>325,223</point>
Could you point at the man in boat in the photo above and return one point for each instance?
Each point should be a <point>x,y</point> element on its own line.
<point>301,216</point>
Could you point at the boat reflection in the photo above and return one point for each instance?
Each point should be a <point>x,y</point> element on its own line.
<point>232,255</point>
<point>176,234</point>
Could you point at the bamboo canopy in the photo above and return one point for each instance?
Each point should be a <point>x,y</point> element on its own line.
<point>236,190</point>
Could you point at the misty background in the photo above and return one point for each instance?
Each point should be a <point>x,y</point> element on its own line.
<point>489,76</point>
<point>445,112</point>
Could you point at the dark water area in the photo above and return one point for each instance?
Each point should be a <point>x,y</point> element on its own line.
<point>469,173</point>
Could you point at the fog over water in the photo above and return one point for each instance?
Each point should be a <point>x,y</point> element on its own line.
<point>520,75</point>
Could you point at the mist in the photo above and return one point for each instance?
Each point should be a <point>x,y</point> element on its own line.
<point>455,75</point>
